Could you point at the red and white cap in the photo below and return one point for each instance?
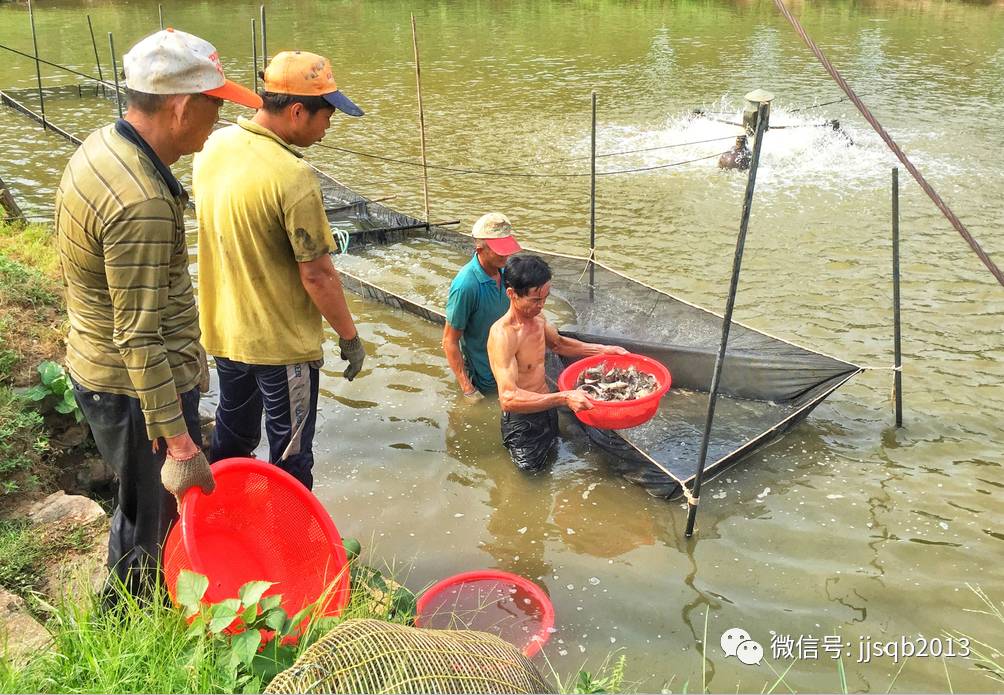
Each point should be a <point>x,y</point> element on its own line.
<point>496,231</point>
<point>175,62</point>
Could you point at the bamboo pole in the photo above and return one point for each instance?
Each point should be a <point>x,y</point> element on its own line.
<point>38,67</point>
<point>897,346</point>
<point>115,72</point>
<point>763,114</point>
<point>254,54</point>
<point>592,200</point>
<point>97,60</point>
<point>421,117</point>
<point>8,203</point>
<point>264,44</point>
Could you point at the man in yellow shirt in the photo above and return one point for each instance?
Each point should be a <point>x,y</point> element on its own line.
<point>266,277</point>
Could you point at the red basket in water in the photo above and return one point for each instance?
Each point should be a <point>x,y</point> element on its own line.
<point>465,601</point>
<point>259,524</point>
<point>618,415</point>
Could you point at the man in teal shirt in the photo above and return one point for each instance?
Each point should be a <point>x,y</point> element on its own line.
<point>477,300</point>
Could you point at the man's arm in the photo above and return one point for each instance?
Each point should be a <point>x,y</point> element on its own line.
<point>455,358</point>
<point>502,357</point>
<point>324,285</point>
<point>570,347</point>
<point>310,238</point>
<point>137,246</point>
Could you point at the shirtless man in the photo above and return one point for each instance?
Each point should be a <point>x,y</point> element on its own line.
<point>516,347</point>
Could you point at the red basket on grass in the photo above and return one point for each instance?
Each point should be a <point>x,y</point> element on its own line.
<point>259,524</point>
<point>618,415</point>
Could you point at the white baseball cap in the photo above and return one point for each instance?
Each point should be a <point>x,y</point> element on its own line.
<point>495,230</point>
<point>174,62</point>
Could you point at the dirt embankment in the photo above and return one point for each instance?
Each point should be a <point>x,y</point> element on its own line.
<point>41,449</point>
<point>32,312</point>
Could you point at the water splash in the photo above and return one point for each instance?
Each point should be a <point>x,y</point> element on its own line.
<point>801,151</point>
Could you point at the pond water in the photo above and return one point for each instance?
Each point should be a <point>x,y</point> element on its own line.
<point>847,527</point>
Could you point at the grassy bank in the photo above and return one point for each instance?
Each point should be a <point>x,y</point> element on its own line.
<point>32,315</point>
<point>32,326</point>
<point>147,646</point>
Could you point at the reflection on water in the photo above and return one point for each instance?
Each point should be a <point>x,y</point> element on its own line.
<point>844,526</point>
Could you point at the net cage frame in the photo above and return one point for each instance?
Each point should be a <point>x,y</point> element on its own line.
<point>375,224</point>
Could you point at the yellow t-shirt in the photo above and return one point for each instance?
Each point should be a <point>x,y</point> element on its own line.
<point>260,213</point>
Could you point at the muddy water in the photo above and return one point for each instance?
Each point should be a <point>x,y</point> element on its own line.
<point>847,527</point>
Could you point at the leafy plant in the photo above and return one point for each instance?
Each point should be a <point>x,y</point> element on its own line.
<point>269,640</point>
<point>57,388</point>
<point>606,681</point>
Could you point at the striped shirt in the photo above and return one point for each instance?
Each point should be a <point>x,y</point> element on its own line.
<point>134,327</point>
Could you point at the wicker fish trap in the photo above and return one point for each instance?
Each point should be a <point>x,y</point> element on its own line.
<point>371,656</point>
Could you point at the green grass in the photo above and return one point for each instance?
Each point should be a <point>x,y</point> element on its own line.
<point>987,653</point>
<point>137,647</point>
<point>32,245</point>
<point>146,645</point>
<point>25,550</point>
<point>23,444</point>
<point>31,306</point>
<point>24,285</point>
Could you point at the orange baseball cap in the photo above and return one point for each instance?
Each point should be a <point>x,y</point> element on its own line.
<point>303,74</point>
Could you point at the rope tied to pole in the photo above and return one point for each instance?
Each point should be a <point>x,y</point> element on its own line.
<point>590,259</point>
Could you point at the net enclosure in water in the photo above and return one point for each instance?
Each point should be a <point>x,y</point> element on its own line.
<point>768,385</point>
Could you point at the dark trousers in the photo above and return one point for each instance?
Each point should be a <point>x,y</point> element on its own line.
<point>530,437</point>
<point>288,396</point>
<point>144,510</point>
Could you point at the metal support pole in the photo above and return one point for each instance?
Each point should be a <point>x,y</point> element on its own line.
<point>115,72</point>
<point>897,347</point>
<point>97,60</point>
<point>38,67</point>
<point>592,200</point>
<point>421,118</point>
<point>264,45</point>
<point>763,115</point>
<point>160,14</point>
<point>254,54</point>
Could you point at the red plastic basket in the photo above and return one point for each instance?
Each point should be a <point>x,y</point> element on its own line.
<point>618,415</point>
<point>259,524</point>
<point>476,600</point>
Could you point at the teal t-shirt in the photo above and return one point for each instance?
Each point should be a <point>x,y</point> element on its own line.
<point>476,302</point>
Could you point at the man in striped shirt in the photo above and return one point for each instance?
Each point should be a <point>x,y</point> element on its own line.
<point>133,349</point>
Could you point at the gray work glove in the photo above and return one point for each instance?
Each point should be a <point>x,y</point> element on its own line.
<point>203,370</point>
<point>354,353</point>
<point>177,476</point>
<point>474,396</point>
